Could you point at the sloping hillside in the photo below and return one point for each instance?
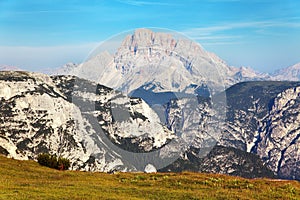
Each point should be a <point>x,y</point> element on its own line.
<point>28,180</point>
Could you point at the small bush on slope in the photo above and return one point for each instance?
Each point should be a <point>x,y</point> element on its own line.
<point>52,161</point>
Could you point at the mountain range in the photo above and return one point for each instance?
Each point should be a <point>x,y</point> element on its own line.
<point>168,56</point>
<point>160,103</point>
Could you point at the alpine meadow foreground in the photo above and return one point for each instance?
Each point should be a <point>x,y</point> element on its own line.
<point>29,180</point>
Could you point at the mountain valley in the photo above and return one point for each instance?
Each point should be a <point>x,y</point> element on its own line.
<point>158,101</point>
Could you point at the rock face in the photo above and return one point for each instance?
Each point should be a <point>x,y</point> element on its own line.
<point>260,134</point>
<point>224,160</point>
<point>95,127</point>
<point>263,119</point>
<point>167,62</point>
<point>74,118</point>
<point>291,73</point>
<point>280,137</point>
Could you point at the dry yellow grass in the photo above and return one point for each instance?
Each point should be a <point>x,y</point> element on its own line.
<point>28,180</point>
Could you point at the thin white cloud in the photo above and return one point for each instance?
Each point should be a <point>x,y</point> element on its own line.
<point>250,24</point>
<point>217,1</point>
<point>224,27</point>
<point>144,3</point>
<point>32,12</point>
<point>212,43</point>
<point>216,37</point>
<point>225,33</point>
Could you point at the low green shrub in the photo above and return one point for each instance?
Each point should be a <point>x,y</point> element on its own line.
<point>52,161</point>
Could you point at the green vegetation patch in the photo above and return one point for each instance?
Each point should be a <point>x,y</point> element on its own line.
<point>29,180</point>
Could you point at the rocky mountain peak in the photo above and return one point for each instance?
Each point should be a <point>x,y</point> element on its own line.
<point>291,73</point>
<point>143,38</point>
<point>169,59</point>
<point>9,68</point>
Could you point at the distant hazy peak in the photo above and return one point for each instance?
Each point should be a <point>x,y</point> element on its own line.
<point>9,68</point>
<point>169,59</point>
<point>291,73</point>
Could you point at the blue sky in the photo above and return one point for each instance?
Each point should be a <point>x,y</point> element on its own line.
<point>262,34</point>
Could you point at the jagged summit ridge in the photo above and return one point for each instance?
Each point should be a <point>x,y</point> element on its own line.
<point>291,73</point>
<point>143,38</point>
<point>172,61</point>
<point>147,57</point>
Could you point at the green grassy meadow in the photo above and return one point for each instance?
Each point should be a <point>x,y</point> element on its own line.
<point>29,180</point>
